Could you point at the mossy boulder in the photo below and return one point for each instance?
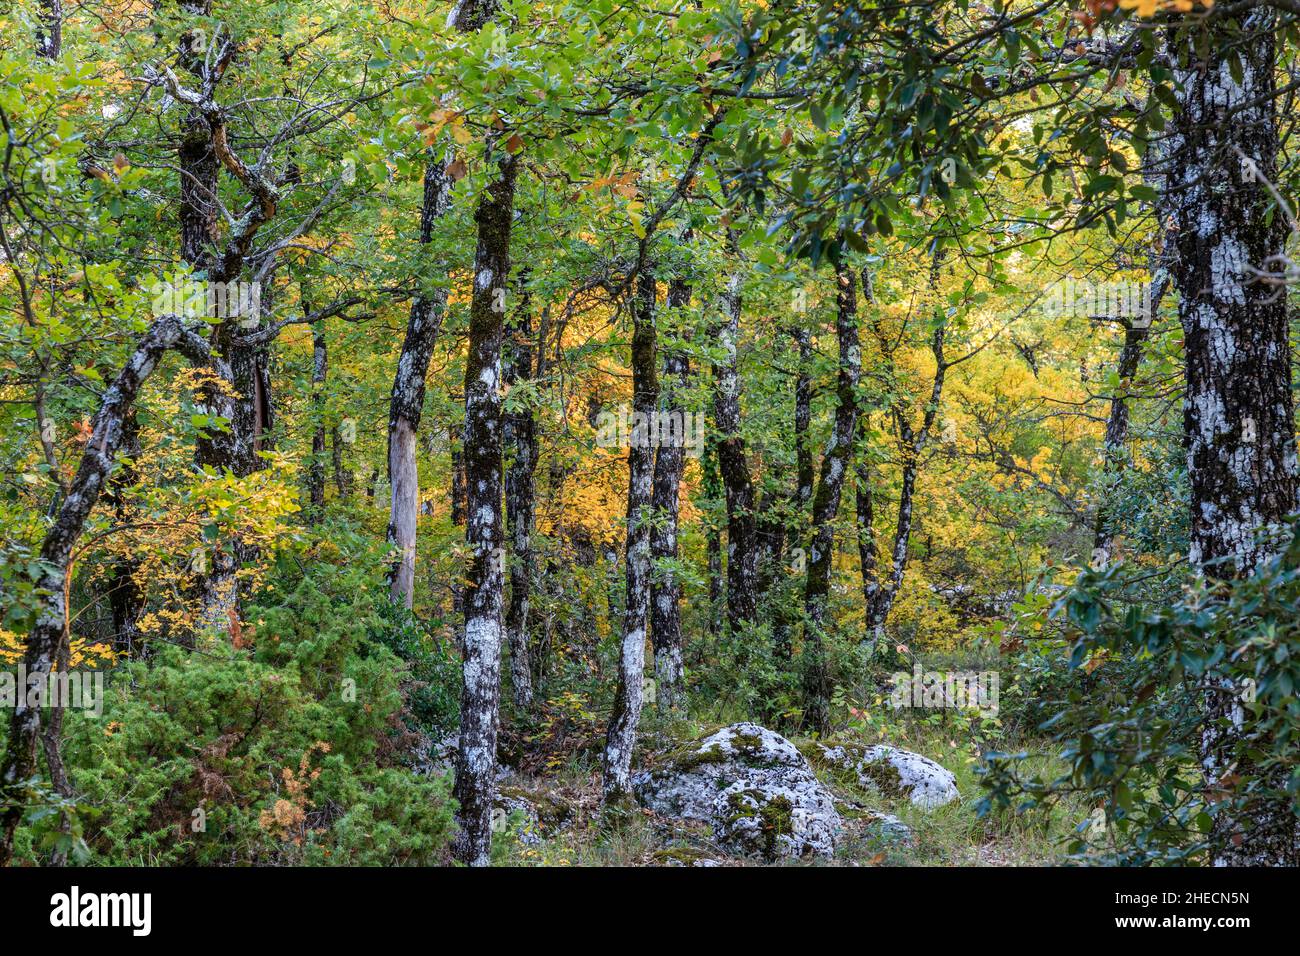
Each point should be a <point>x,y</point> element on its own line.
<point>752,786</point>
<point>886,770</point>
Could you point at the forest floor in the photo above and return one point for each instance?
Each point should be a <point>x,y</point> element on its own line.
<point>950,835</point>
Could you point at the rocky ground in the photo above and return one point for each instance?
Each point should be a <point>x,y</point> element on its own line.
<point>740,794</point>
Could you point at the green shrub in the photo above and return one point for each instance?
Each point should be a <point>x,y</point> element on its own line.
<point>1128,709</point>
<point>293,751</point>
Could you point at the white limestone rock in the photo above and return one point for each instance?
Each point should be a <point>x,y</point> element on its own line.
<point>892,772</point>
<point>752,786</point>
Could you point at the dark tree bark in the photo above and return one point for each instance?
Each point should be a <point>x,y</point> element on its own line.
<point>469,15</point>
<point>233,451</point>
<point>481,597</point>
<point>786,616</point>
<point>197,155</point>
<point>826,503</point>
<point>198,191</point>
<point>713,538</point>
<point>52,744</point>
<point>665,587</point>
<point>628,697</point>
<point>480,697</point>
<point>343,477</point>
<point>49,632</point>
<point>521,444</point>
<point>125,597</point>
<point>742,531</point>
<point>1238,418</point>
<point>49,29</point>
<point>406,403</point>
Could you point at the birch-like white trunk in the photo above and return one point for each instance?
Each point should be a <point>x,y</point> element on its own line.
<point>1238,416</point>
<point>629,695</point>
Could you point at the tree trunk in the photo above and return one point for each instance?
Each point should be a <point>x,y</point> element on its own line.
<point>621,736</point>
<point>198,190</point>
<point>786,614</point>
<point>49,29</point>
<point>199,166</point>
<point>1238,418</point>
<point>233,451</point>
<point>406,402</point>
<point>521,444</point>
<point>665,587</point>
<point>50,630</point>
<point>826,503</point>
<point>1238,414</point>
<point>742,531</point>
<point>343,478</point>
<point>713,537</point>
<point>479,703</point>
<point>125,597</point>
